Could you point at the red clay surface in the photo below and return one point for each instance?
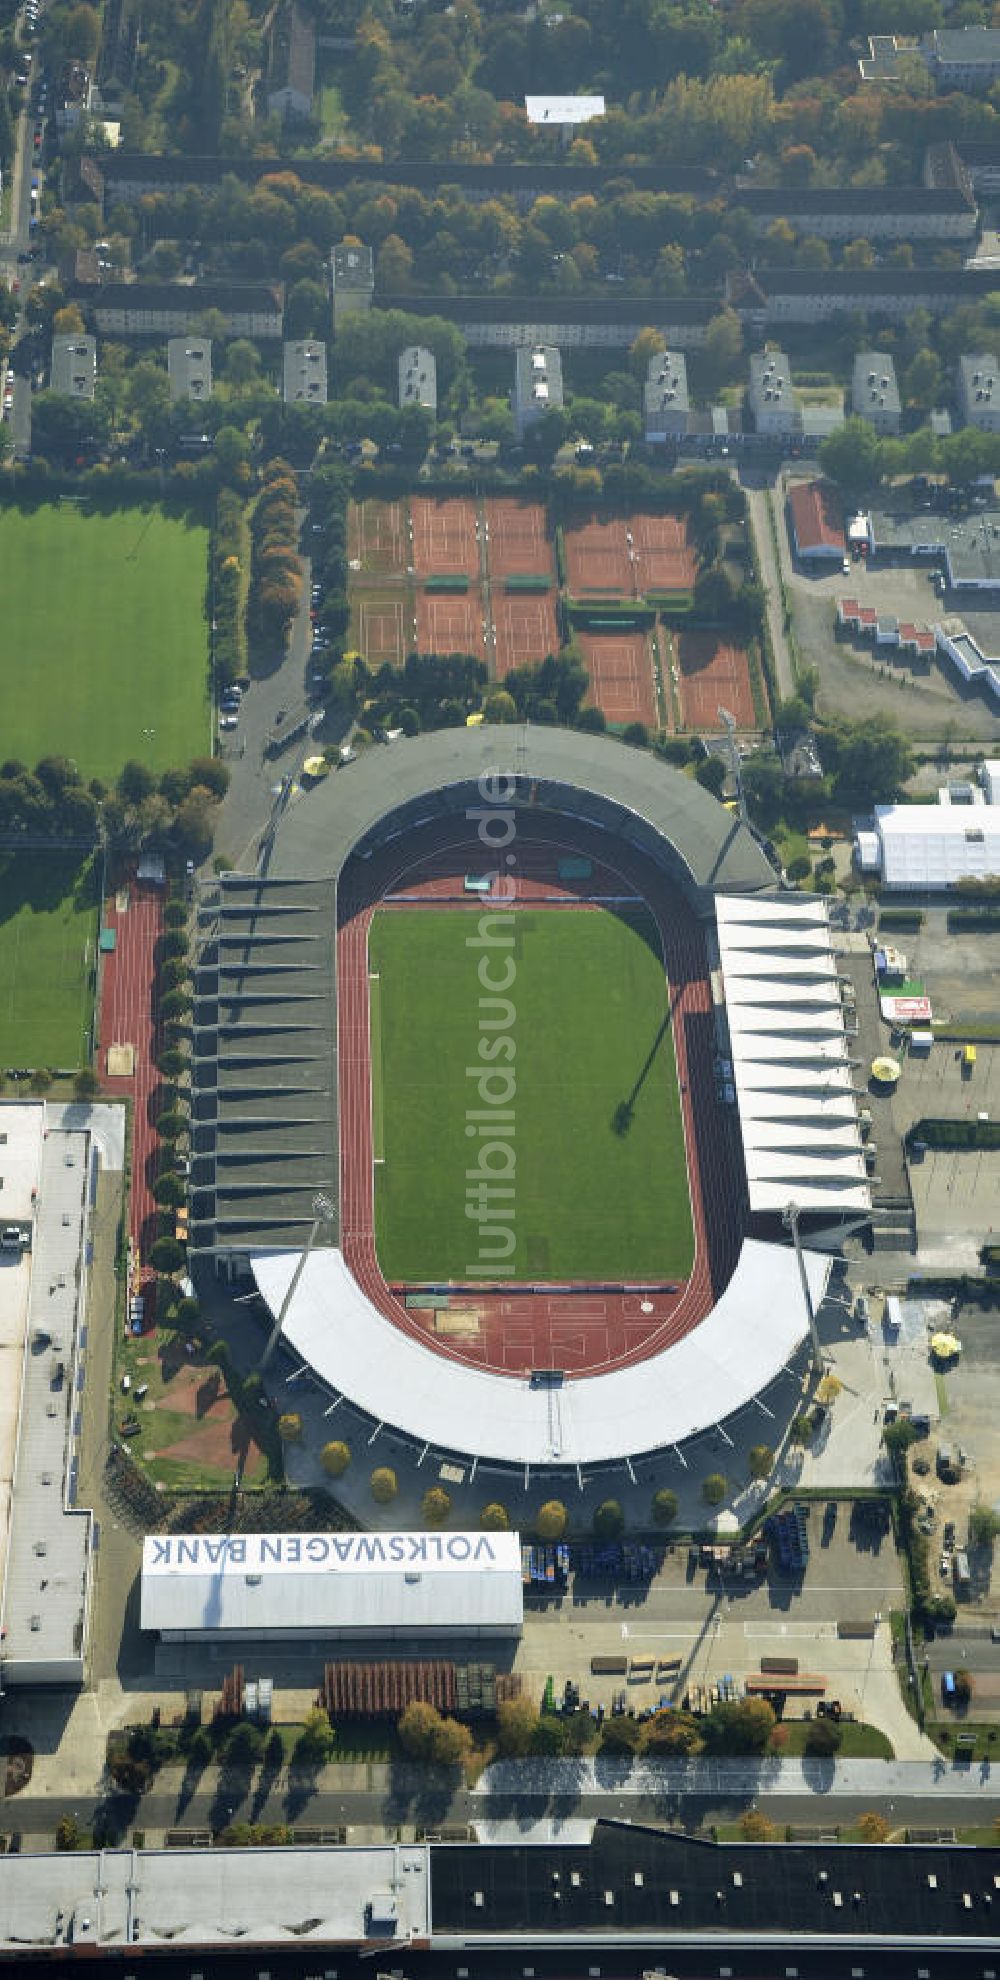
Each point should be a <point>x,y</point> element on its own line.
<point>712,675</point>
<point>445,537</point>
<point>582,1330</point>
<point>128,1017</point>
<point>450,623</point>
<point>525,627</point>
<point>376,537</point>
<point>620,666</point>
<point>597,560</point>
<point>381,628</point>
<point>664,559</point>
<point>518,543</point>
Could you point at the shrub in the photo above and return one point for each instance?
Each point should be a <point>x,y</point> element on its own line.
<point>984,1525</point>
<point>169,1190</point>
<point>176,1003</point>
<point>494,1518</point>
<point>755,1827</point>
<point>175,914</point>
<point>85,1085</point>
<point>172,1125</point>
<point>827,1390</point>
<point>609,1520</point>
<point>963,1686</point>
<point>173,1061</point>
<point>290,1427</point>
<point>384,1484</point>
<point>315,1742</point>
<point>799,868</point>
<point>173,942</point>
<point>713,1489</point>
<point>873,1828</point>
<point>335,1458</point>
<point>435,1506</point>
<point>802,1428</point>
<point>760,1461</point>
<point>552,1520</point>
<point>67,1832</point>
<point>517,1723</point>
<point>664,1507</point>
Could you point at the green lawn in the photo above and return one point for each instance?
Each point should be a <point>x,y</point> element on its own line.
<point>48,937</point>
<point>103,640</point>
<point>601,1186</point>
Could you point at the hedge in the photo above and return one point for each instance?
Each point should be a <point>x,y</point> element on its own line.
<point>901,917</point>
<point>973,919</point>
<point>979,1135</point>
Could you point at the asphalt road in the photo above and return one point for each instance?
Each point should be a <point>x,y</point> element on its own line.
<point>759,510</point>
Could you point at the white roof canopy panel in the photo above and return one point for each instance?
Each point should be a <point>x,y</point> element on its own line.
<point>754,1328</point>
<point>790,1056</point>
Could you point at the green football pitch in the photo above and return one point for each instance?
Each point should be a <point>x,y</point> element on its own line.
<point>103,639</point>
<point>600,1184</point>
<point>48,936</point>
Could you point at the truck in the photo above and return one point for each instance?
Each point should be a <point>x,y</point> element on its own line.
<point>960,1570</point>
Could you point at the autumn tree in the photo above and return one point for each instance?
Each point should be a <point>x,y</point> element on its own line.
<point>551,1520</point>
<point>384,1484</point>
<point>335,1458</point>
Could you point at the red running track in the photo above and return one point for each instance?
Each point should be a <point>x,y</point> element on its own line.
<point>583,1332</point>
<point>128,1016</point>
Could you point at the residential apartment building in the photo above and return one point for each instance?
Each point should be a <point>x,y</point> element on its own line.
<point>601,322</point>
<point>772,296</point>
<point>304,373</point>
<point>876,213</point>
<point>189,367</point>
<point>665,402</point>
<point>875,391</point>
<point>963,58</point>
<point>977,390</point>
<point>352,274</point>
<point>73,367</point>
<point>291,74</point>
<point>168,309</point>
<point>417,378</point>
<point>772,401</point>
<point>538,385</point>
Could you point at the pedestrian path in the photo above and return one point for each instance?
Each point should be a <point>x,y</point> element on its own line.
<point>826,1779</point>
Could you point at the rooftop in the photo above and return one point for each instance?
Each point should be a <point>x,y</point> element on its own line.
<point>968,544</point>
<point>874,387</point>
<point>189,367</point>
<point>816,516</point>
<point>563,109</point>
<point>667,382</point>
<point>958,46</point>
<point>73,369</point>
<point>304,375</point>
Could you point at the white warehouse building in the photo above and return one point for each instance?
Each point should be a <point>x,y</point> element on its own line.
<point>268,1587</point>
<point>924,847</point>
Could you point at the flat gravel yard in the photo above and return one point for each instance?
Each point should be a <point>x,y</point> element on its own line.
<point>103,638</point>
<point>599,1176</point>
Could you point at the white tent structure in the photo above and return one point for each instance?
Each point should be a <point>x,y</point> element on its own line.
<point>926,846</point>
<point>792,1065</point>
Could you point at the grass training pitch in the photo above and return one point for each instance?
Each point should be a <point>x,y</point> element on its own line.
<point>601,1187</point>
<point>103,640</point>
<point>48,937</point>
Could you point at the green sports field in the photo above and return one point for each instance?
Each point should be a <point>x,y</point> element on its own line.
<point>103,639</point>
<point>48,936</point>
<point>601,1188</point>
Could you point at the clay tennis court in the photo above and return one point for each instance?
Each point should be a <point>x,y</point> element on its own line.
<point>450,624</point>
<point>518,542</point>
<point>379,628</point>
<point>597,559</point>
<point>620,666</point>
<point>376,537</point>
<point>713,675</point>
<point>664,558</point>
<point>526,629</point>
<point>444,536</point>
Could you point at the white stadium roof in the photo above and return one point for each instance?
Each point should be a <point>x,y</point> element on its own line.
<point>791,1060</point>
<point>288,1584</point>
<point>563,109</point>
<point>742,1345</point>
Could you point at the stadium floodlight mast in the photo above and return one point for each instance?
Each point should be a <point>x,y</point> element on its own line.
<point>790,1218</point>
<point>323,1213</point>
<point>729,724</point>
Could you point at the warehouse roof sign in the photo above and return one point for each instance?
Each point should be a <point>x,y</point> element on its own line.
<point>263,1553</point>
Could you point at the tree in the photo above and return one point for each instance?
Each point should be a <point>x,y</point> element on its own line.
<point>742,1727</point>
<point>384,1484</point>
<point>426,1735</point>
<point>723,347</point>
<point>873,1827</point>
<point>335,1458</point>
<point>173,1061</point>
<point>194,823</point>
<point>172,1124</point>
<point>922,380</point>
<point>823,1739</point>
<point>984,1525</point>
<point>494,1518</point>
<point>245,1745</point>
<point>86,1084</point>
<point>802,1428</point>
<point>711,772</point>
<point>647,344</point>
<point>167,1255</point>
<point>316,1741</point>
<point>290,1427</point>
<point>435,1506</point>
<point>609,1520</point>
<point>713,1489</point>
<point>199,1750</point>
<point>664,1507</point>
<point>67,1832</point>
<point>827,1390</point>
<point>169,1190</point>
<point>898,1436</point>
<point>175,1004</point>
<point>551,1520</point>
<point>517,1723</point>
<point>852,458</point>
<point>799,868</point>
<point>500,706</point>
<point>622,1735</point>
<point>963,1686</point>
<point>68,322</point>
<point>175,913</point>
<point>241,366</point>
<point>671,1735</point>
<point>760,1461</point>
<point>755,1827</point>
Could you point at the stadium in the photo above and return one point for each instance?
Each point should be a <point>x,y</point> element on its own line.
<point>509,1059</point>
